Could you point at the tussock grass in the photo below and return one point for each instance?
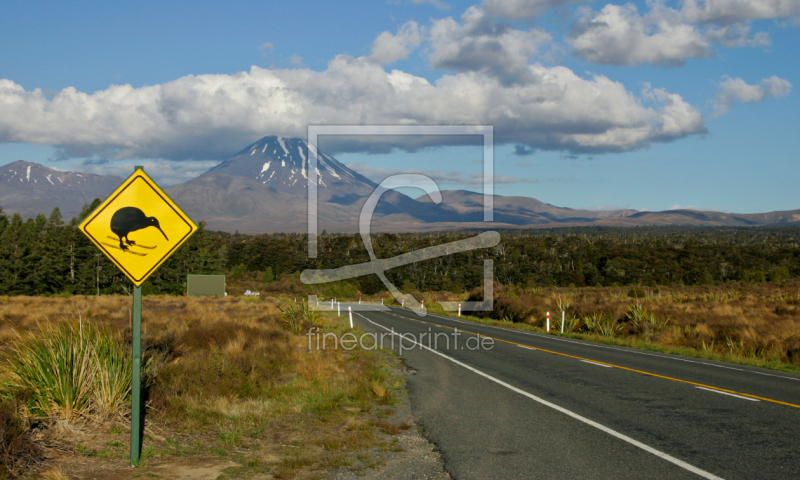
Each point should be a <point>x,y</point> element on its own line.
<point>223,377</point>
<point>70,372</point>
<point>755,324</point>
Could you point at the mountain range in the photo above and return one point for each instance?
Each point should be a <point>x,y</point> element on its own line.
<point>263,189</point>
<point>30,189</point>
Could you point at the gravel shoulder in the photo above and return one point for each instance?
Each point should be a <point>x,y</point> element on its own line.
<point>413,458</point>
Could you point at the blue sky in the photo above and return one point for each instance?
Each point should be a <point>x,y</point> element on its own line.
<point>644,105</point>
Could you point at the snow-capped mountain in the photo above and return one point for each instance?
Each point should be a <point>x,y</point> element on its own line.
<point>29,189</point>
<point>283,164</point>
<point>264,188</point>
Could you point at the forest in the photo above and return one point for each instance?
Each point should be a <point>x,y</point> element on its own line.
<point>50,256</point>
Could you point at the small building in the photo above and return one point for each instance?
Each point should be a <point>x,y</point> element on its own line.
<point>205,285</point>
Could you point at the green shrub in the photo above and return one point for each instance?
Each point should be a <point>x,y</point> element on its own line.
<point>268,277</point>
<point>779,274</point>
<point>637,293</point>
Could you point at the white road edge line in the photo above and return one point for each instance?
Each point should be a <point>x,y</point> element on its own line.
<point>730,394</point>
<point>594,363</point>
<point>563,410</point>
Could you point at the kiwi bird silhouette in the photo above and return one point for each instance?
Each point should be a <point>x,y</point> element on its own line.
<point>129,219</point>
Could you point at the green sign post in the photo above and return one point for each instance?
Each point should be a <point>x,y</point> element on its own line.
<point>139,208</point>
<point>136,377</point>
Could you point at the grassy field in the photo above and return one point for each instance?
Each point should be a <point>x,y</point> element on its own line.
<point>755,324</point>
<point>229,385</point>
<point>233,390</point>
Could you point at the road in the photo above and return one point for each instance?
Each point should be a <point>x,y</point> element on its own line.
<point>528,405</point>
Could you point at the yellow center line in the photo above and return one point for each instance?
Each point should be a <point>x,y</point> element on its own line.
<point>608,364</point>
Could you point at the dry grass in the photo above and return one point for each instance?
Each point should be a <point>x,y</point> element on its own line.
<point>224,377</point>
<point>53,474</point>
<point>750,323</point>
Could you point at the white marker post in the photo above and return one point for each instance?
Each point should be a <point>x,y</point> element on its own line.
<point>350,311</point>
<point>331,304</point>
<point>562,321</point>
<point>459,309</point>
<point>421,304</point>
<point>403,303</point>
<point>359,300</point>
<point>338,309</point>
<point>547,329</point>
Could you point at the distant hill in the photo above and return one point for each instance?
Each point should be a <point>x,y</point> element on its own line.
<point>28,188</point>
<point>264,187</point>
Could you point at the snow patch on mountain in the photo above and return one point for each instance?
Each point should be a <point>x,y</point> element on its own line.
<point>283,145</point>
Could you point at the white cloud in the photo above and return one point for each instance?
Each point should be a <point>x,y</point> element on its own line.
<point>296,60</point>
<point>737,35</point>
<point>266,46</point>
<point>482,44</point>
<point>732,90</point>
<point>165,173</point>
<point>524,9</point>
<point>692,207</point>
<point>436,3</point>
<point>388,48</point>
<point>732,11</point>
<point>618,35</point>
<point>213,116</point>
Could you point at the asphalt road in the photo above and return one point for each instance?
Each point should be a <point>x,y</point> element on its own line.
<point>524,405</point>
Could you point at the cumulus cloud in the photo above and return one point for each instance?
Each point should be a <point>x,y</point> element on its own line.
<point>388,48</point>
<point>738,35</point>
<point>733,11</point>
<point>212,116</point>
<point>732,90</point>
<point>482,44</point>
<point>521,9</point>
<point>619,35</point>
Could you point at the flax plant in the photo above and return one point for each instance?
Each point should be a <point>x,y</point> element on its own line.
<point>295,315</point>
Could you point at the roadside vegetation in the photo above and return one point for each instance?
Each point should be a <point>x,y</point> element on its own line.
<point>233,378</point>
<point>229,381</point>
<point>755,324</point>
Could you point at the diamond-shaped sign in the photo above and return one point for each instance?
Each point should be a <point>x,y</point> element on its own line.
<point>138,227</point>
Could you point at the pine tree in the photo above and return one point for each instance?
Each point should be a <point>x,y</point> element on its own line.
<point>50,271</point>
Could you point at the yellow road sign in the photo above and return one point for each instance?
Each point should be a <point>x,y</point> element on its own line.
<point>138,227</point>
